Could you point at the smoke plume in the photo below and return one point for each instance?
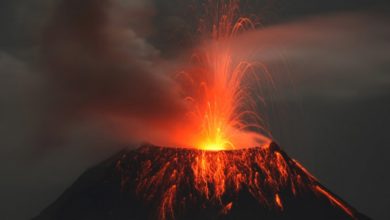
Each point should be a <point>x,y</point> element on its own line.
<point>102,67</point>
<point>99,66</point>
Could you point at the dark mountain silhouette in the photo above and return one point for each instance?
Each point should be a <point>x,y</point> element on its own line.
<point>161,183</point>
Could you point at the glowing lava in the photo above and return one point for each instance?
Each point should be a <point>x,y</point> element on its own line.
<point>174,181</point>
<point>218,86</point>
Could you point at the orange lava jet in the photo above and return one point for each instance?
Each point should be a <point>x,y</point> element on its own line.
<point>219,85</point>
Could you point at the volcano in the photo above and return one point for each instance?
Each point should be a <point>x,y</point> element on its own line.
<point>176,183</point>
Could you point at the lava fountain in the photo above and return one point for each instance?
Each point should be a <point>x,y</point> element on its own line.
<point>219,86</point>
<point>227,168</point>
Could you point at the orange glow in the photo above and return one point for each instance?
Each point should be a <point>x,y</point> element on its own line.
<point>334,200</point>
<point>217,87</point>
<point>304,170</point>
<point>278,202</point>
<point>227,208</point>
<point>261,170</point>
<point>173,177</point>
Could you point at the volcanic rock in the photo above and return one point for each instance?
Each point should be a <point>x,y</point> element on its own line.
<point>176,183</point>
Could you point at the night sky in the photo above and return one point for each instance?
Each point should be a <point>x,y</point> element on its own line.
<point>330,108</point>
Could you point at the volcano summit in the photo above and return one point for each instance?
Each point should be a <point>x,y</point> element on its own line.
<point>176,183</point>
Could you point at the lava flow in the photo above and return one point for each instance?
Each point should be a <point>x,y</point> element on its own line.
<point>253,183</point>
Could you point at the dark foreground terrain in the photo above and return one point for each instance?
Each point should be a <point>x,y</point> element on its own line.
<point>137,185</point>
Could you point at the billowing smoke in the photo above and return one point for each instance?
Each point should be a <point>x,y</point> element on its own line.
<point>100,67</point>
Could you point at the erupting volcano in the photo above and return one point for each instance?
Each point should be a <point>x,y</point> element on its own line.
<point>176,183</point>
<point>225,167</point>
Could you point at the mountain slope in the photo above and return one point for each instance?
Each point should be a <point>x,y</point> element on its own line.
<point>175,183</point>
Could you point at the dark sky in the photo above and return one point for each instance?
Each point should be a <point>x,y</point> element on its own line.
<point>329,110</point>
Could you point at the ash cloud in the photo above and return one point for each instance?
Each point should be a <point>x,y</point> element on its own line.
<point>62,98</point>
<point>99,66</point>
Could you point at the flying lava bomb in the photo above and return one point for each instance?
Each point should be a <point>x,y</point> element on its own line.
<point>224,165</point>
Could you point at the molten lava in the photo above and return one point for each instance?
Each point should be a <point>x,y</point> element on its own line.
<point>218,85</point>
<point>190,184</point>
<point>175,181</point>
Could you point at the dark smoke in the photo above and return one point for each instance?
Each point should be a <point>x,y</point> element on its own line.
<point>99,66</point>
